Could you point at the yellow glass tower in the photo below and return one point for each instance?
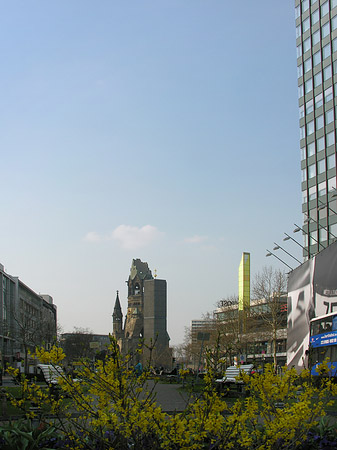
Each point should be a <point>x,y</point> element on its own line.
<point>244,282</point>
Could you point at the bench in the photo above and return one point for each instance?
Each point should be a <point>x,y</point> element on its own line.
<point>231,378</point>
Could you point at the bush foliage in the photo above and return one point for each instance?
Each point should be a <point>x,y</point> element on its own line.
<point>111,408</point>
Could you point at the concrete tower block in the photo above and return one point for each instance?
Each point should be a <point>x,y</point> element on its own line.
<point>155,320</point>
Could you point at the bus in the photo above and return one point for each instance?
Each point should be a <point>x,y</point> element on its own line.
<point>323,343</point>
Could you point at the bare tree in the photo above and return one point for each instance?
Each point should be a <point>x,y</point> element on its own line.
<point>180,355</point>
<point>32,331</point>
<point>190,347</point>
<point>225,336</point>
<point>232,328</point>
<point>76,344</point>
<point>269,294</point>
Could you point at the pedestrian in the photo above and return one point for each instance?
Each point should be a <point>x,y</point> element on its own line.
<point>138,369</point>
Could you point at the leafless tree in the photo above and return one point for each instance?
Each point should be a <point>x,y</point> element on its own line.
<point>188,348</point>
<point>32,331</point>
<point>232,328</point>
<point>180,355</point>
<point>76,344</point>
<point>225,338</point>
<point>269,293</point>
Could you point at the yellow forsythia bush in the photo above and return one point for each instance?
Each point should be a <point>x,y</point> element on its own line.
<point>108,407</point>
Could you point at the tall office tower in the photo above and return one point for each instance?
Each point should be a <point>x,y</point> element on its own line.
<point>316,41</point>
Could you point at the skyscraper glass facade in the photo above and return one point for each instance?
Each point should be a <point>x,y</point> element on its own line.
<point>316,43</point>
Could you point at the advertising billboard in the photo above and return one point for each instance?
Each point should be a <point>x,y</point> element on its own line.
<point>312,292</point>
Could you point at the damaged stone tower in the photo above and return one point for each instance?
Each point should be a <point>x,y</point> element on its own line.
<point>146,318</point>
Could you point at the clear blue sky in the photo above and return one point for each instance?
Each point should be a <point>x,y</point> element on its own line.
<point>161,130</point>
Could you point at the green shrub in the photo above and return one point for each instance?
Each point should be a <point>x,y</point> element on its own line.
<point>111,408</point>
<point>21,435</point>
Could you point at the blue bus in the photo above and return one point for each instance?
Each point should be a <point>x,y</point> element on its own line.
<point>323,342</point>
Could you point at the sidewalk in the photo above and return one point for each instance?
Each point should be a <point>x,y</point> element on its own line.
<point>169,397</point>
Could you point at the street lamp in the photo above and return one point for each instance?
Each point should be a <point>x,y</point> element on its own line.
<point>277,247</point>
<point>289,237</point>
<point>297,229</point>
<point>294,240</point>
<point>333,193</point>
<point>324,205</point>
<point>272,254</point>
<point>308,219</point>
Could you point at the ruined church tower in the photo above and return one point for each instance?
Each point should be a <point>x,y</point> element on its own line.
<point>146,318</point>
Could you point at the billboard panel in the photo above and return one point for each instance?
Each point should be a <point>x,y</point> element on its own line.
<point>312,292</point>
<point>300,311</point>
<point>325,281</point>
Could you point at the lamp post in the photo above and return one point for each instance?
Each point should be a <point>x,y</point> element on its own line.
<point>298,228</point>
<point>296,242</point>
<point>277,247</point>
<point>308,219</point>
<point>324,205</point>
<point>334,193</point>
<point>275,256</point>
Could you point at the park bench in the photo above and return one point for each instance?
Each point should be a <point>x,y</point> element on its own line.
<point>231,378</point>
<point>50,373</point>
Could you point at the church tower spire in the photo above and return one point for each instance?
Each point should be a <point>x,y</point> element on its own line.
<point>117,317</point>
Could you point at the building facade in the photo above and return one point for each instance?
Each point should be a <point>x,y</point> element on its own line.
<point>83,344</point>
<point>263,337</point>
<point>316,42</point>
<point>265,333</point>
<point>146,319</point>
<point>245,330</point>
<point>27,319</point>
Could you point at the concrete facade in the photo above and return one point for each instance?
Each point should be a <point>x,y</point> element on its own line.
<point>27,319</point>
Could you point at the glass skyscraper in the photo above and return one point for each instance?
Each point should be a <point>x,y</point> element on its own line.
<point>316,42</point>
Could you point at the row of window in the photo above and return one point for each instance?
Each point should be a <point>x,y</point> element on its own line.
<point>322,33</point>
<point>308,64</point>
<point>317,80</point>
<point>322,236</point>
<point>311,41</point>
<point>309,105</point>
<point>315,147</point>
<point>260,348</point>
<point>308,86</point>
<point>317,58</point>
<point>317,124</point>
<point>319,190</point>
<point>320,167</point>
<point>305,4</point>
<point>29,309</point>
